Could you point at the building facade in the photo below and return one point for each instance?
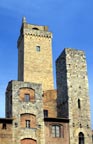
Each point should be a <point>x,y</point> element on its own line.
<point>36,113</point>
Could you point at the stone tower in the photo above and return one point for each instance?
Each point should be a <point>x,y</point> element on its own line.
<point>35,55</point>
<point>73,95</point>
<point>24,105</point>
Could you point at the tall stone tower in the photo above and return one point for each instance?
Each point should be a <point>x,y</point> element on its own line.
<point>25,106</point>
<point>73,96</point>
<point>35,55</point>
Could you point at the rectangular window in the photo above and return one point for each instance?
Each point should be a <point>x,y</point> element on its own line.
<point>4,126</point>
<point>56,131</point>
<point>45,113</point>
<point>38,48</point>
<point>26,97</point>
<point>27,123</point>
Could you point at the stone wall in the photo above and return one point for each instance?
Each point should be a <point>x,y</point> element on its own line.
<point>33,109</point>
<point>35,65</point>
<point>62,88</point>
<point>75,96</point>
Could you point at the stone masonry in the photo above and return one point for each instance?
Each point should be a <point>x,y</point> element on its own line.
<point>22,111</point>
<point>73,95</point>
<point>35,55</point>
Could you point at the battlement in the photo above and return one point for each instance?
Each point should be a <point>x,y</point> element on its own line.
<point>34,30</point>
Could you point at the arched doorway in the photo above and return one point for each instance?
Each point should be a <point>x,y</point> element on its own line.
<point>81,138</point>
<point>28,141</point>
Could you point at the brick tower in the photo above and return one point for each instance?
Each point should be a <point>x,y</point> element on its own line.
<point>35,55</point>
<point>73,96</point>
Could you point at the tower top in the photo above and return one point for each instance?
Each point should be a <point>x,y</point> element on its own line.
<point>24,19</point>
<point>35,55</point>
<point>34,30</point>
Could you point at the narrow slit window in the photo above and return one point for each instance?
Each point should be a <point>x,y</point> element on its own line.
<point>4,126</point>
<point>79,104</point>
<point>45,113</point>
<point>38,48</point>
<point>26,97</point>
<point>27,123</point>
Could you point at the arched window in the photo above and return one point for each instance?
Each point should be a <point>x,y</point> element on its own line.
<point>79,105</point>
<point>81,138</point>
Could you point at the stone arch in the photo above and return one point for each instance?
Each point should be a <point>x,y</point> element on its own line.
<point>28,120</point>
<point>23,91</point>
<point>28,141</point>
<point>77,131</point>
<point>81,138</point>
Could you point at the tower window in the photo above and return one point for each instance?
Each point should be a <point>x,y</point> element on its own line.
<point>45,113</point>
<point>27,123</point>
<point>81,138</point>
<point>79,105</point>
<point>35,28</point>
<point>26,97</point>
<point>4,126</point>
<point>38,48</point>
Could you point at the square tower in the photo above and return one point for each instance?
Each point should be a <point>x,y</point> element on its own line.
<point>35,55</point>
<point>24,104</point>
<point>73,95</point>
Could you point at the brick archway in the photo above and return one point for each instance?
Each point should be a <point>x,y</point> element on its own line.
<point>28,141</point>
<point>28,117</point>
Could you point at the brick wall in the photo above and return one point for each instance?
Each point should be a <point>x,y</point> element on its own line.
<point>30,117</point>
<point>5,132</point>
<point>28,141</point>
<point>28,91</point>
<point>63,139</point>
<point>50,102</point>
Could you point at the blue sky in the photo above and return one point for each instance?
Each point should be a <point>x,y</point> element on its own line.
<point>70,21</point>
